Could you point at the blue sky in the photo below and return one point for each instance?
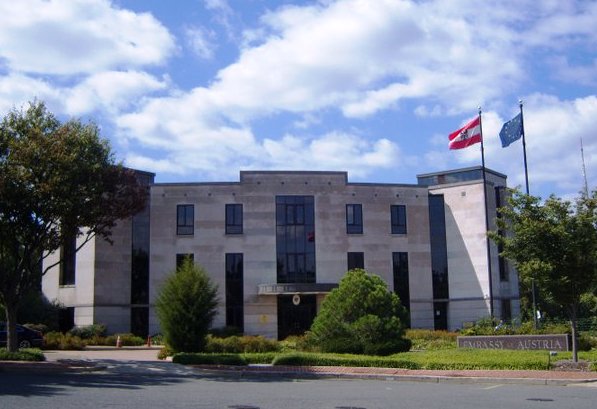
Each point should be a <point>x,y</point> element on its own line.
<point>196,90</point>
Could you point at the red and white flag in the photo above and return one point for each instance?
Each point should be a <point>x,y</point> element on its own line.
<point>466,136</point>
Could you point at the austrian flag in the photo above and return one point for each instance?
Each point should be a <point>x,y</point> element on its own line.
<point>466,136</point>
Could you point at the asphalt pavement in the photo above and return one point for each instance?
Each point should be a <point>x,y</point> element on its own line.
<point>145,358</point>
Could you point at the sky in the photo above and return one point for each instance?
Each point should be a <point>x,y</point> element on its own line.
<point>197,90</point>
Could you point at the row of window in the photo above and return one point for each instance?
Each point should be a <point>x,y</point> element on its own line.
<point>293,214</point>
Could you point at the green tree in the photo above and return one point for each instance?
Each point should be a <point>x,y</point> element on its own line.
<point>360,316</point>
<point>57,180</point>
<point>186,307</point>
<point>555,244</point>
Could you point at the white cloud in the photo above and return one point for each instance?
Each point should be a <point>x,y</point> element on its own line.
<point>79,36</point>
<point>17,89</point>
<point>553,128</point>
<point>200,41</point>
<point>111,91</point>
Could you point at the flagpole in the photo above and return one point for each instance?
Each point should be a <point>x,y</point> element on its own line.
<point>486,218</point>
<point>526,179</point>
<point>524,147</point>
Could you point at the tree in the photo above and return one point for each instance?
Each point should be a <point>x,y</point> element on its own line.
<point>186,307</point>
<point>360,316</point>
<point>58,181</point>
<point>554,244</point>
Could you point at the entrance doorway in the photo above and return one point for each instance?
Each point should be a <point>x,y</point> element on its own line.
<point>295,314</point>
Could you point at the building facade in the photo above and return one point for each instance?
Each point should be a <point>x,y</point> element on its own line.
<point>277,242</point>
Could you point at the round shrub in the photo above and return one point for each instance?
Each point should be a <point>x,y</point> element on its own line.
<point>361,316</point>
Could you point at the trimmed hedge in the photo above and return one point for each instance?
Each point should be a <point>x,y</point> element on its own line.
<point>208,359</point>
<point>462,359</point>
<point>313,359</point>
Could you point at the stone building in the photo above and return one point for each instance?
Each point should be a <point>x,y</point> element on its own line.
<point>277,242</point>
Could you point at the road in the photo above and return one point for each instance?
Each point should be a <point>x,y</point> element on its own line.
<point>147,385</point>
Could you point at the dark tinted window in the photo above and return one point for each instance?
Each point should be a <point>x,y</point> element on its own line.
<point>439,251</point>
<point>295,239</point>
<point>356,260</point>
<point>234,291</point>
<point>398,216</point>
<point>354,219</point>
<point>401,279</point>
<point>234,219</point>
<point>185,218</point>
<point>68,260</point>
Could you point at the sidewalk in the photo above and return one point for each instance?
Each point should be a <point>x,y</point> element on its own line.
<point>91,360</point>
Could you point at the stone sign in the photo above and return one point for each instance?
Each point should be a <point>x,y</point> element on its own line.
<point>559,342</point>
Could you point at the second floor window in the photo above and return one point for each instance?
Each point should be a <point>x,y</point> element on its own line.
<point>234,219</point>
<point>356,260</point>
<point>185,219</point>
<point>354,219</point>
<point>398,219</point>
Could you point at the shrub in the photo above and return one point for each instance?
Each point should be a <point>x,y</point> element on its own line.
<point>186,307</point>
<point>164,353</point>
<point>242,344</point>
<point>587,342</point>
<point>296,343</point>
<point>89,331</point>
<point>58,340</point>
<point>208,359</point>
<point>26,354</point>
<point>127,340</point>
<point>425,339</point>
<point>360,316</point>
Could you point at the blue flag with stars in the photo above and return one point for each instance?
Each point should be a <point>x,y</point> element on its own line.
<point>511,131</point>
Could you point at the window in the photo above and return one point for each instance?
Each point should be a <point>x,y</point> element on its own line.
<point>398,216</point>
<point>295,239</point>
<point>185,217</point>
<point>180,258</point>
<point>439,249</point>
<point>401,281</point>
<point>234,291</point>
<point>354,219</point>
<point>68,260</point>
<point>234,219</point>
<point>506,311</point>
<point>356,260</point>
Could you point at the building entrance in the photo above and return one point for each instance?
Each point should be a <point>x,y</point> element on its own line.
<point>295,318</point>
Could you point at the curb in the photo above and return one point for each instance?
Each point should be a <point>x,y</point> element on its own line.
<point>455,379</point>
<point>79,366</point>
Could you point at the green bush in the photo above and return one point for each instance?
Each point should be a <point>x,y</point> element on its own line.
<point>164,353</point>
<point>208,359</point>
<point>315,359</point>
<point>242,344</point>
<point>425,339</point>
<point>360,316</point>
<point>25,354</point>
<point>126,340</point>
<point>89,331</point>
<point>186,307</point>
<point>586,342</point>
<point>58,340</point>
<point>296,343</point>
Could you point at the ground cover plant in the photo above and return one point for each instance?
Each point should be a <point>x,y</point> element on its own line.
<point>461,359</point>
<point>26,354</point>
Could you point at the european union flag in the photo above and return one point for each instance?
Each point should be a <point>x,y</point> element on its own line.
<point>511,131</point>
